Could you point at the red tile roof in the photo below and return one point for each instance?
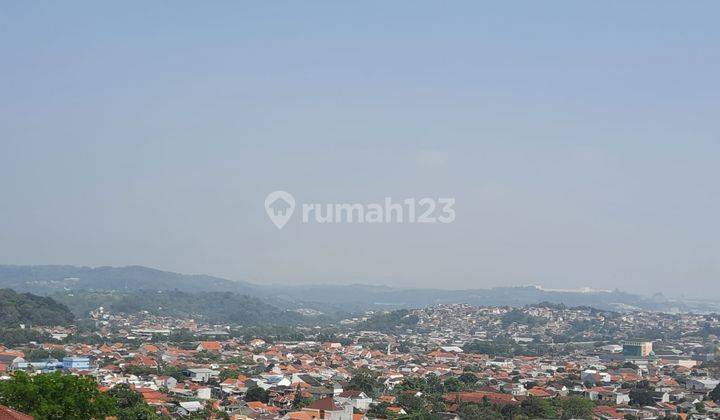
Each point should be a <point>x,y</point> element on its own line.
<point>7,413</point>
<point>211,345</point>
<point>325,404</point>
<point>539,392</point>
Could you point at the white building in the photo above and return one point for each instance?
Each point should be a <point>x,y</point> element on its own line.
<point>357,399</point>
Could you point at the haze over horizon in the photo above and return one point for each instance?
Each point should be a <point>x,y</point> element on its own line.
<point>580,141</point>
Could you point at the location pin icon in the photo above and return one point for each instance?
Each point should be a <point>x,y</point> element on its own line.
<point>280,206</point>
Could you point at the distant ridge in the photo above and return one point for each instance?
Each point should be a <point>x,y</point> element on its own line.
<point>576,290</point>
<point>46,279</point>
<point>54,279</point>
<point>29,309</point>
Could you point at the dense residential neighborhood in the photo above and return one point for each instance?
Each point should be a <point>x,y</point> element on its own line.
<point>359,210</point>
<point>445,361</point>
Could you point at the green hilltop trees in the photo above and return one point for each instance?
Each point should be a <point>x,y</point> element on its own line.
<point>69,397</point>
<point>56,396</point>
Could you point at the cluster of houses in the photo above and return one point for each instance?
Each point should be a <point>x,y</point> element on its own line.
<point>306,380</point>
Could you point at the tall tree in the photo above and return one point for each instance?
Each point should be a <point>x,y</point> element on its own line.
<point>577,408</point>
<point>366,381</point>
<point>255,393</point>
<point>131,405</point>
<point>715,394</point>
<point>56,396</point>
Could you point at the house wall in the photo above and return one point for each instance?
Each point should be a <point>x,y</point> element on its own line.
<point>345,414</point>
<point>203,393</point>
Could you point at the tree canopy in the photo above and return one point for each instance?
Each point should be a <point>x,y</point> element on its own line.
<point>26,308</point>
<point>130,404</point>
<point>56,396</point>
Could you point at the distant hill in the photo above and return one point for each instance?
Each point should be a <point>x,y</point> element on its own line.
<point>47,279</point>
<point>213,307</point>
<point>54,279</point>
<point>363,297</point>
<point>29,309</point>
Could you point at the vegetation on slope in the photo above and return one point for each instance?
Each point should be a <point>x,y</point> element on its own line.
<point>214,307</point>
<point>25,308</point>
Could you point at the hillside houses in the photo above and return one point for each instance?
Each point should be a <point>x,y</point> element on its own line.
<point>455,357</point>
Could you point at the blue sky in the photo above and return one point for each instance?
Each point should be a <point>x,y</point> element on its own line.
<point>580,139</point>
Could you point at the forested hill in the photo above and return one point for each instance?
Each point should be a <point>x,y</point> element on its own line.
<point>214,307</point>
<point>48,279</point>
<point>29,309</point>
<point>61,279</point>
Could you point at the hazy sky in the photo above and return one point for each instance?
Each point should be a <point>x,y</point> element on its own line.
<point>580,139</point>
